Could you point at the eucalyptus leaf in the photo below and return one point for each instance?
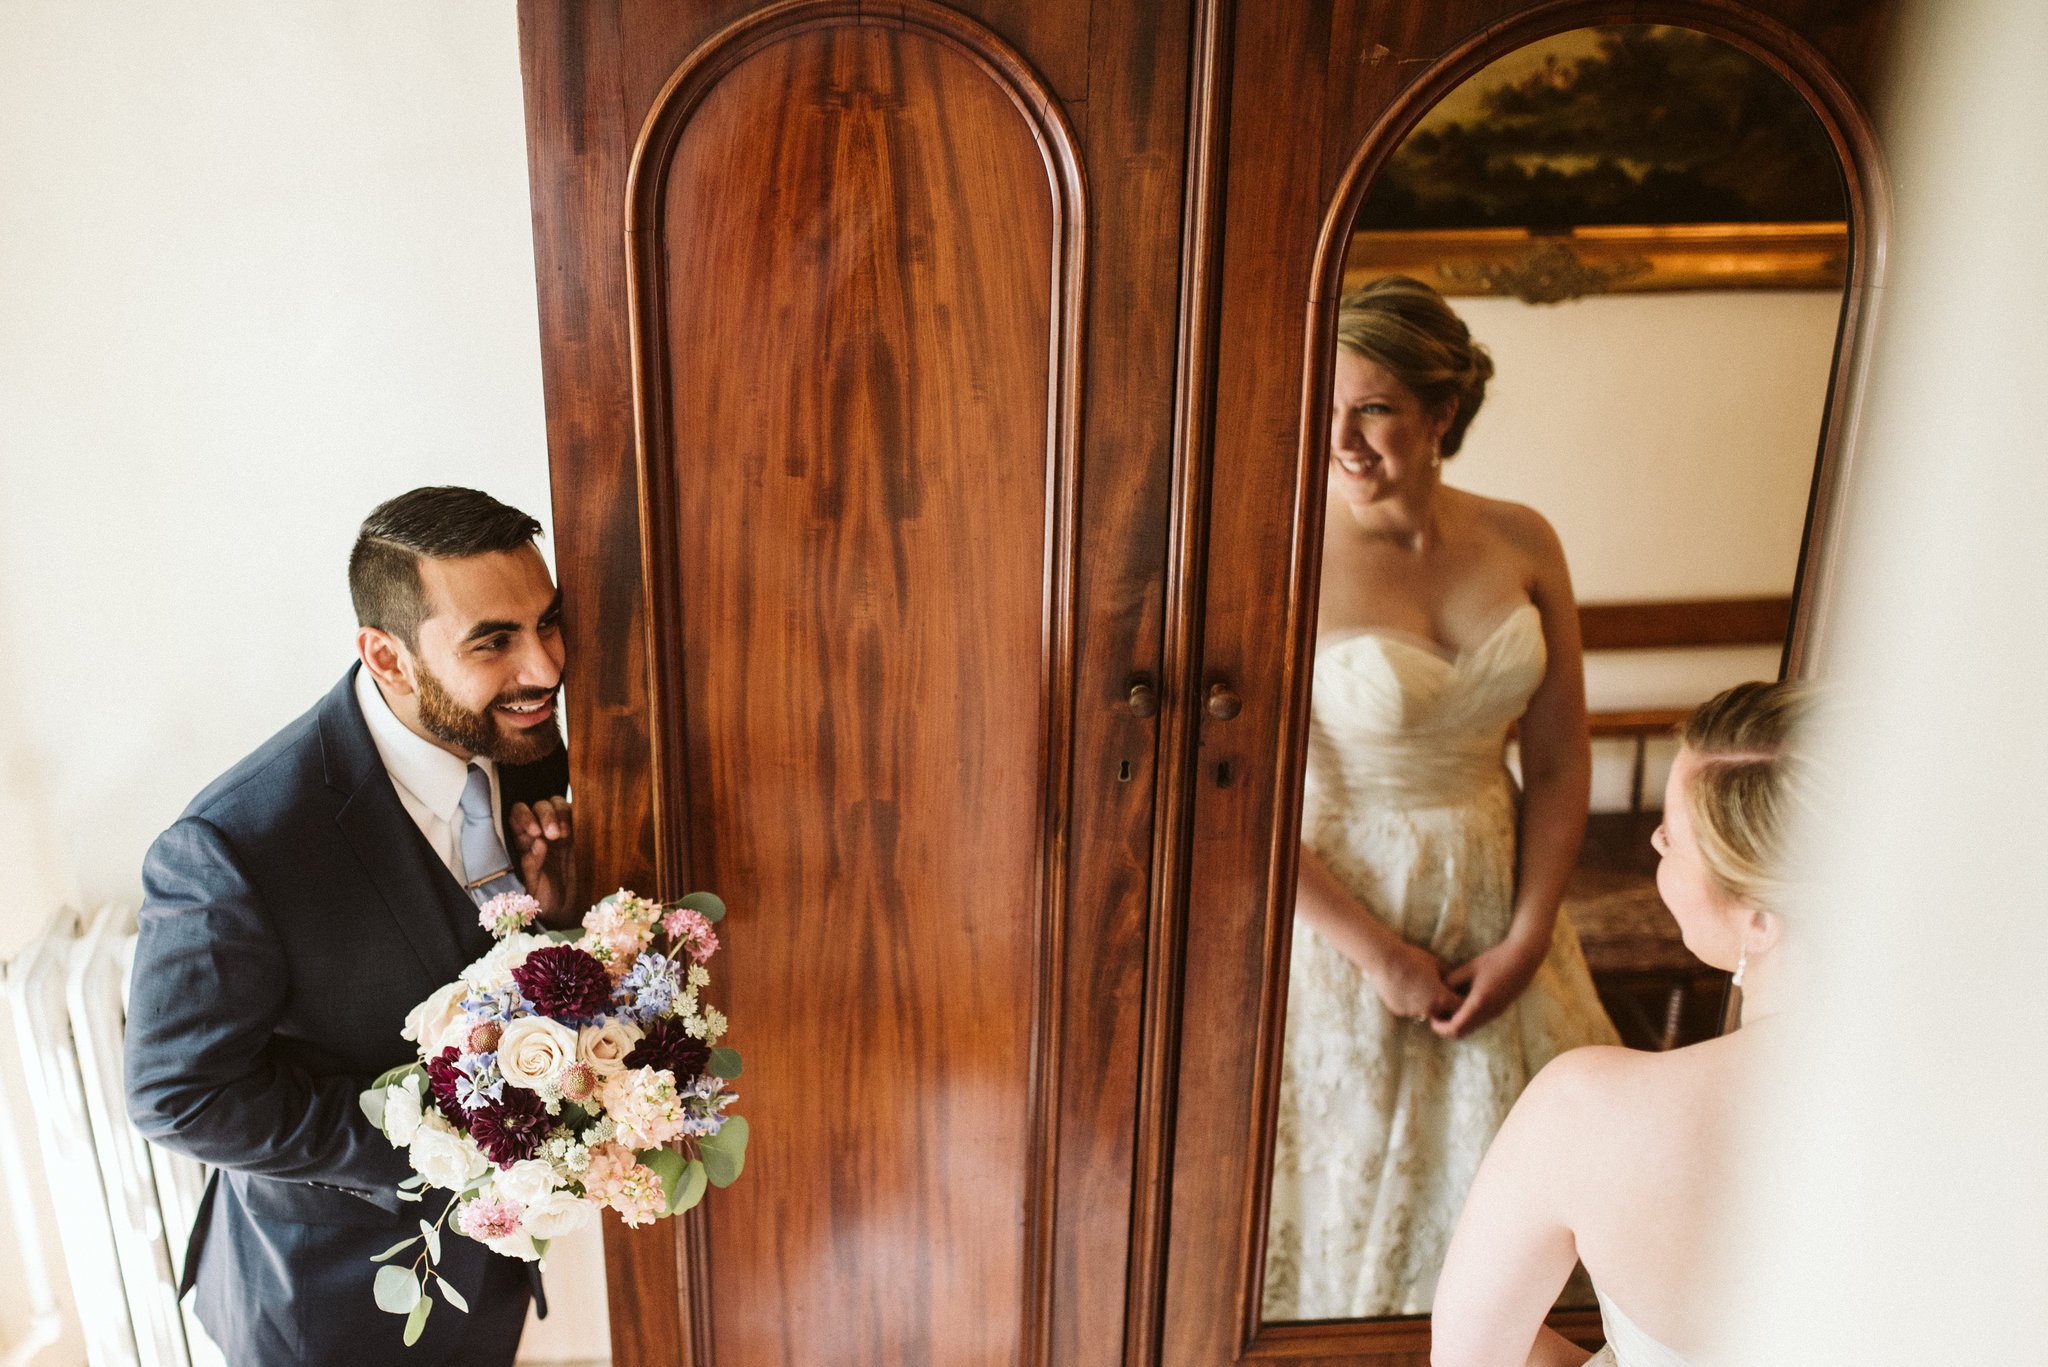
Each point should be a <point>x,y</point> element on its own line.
<point>394,1248</point>
<point>396,1289</point>
<point>451,1295</point>
<point>731,1137</point>
<point>692,1189</point>
<point>725,1063</point>
<point>416,1322</point>
<point>668,1166</point>
<point>705,904</point>
<point>372,1103</point>
<point>412,1182</point>
<point>405,1195</point>
<point>433,1238</point>
<point>540,1248</point>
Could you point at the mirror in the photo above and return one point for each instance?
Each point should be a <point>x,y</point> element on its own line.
<point>1644,228</point>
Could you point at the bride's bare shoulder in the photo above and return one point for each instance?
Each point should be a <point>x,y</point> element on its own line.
<point>1603,1089</point>
<point>1516,524</point>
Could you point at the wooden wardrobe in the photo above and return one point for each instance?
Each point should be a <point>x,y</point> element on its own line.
<point>932,396</point>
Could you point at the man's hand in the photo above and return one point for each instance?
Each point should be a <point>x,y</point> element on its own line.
<point>542,837</point>
<point>1490,982</point>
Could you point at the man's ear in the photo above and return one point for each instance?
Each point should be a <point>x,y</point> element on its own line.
<point>387,659</point>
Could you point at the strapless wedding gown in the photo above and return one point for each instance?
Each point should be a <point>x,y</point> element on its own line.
<point>1628,1346</point>
<point>1382,1123</point>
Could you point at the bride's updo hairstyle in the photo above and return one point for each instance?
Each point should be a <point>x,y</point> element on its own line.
<point>1405,327</point>
<point>1748,780</point>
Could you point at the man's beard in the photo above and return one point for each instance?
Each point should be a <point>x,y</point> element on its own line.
<point>479,732</point>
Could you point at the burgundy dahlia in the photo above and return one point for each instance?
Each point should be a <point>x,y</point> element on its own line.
<point>564,982</point>
<point>510,1128</point>
<point>667,1045</point>
<point>442,1077</point>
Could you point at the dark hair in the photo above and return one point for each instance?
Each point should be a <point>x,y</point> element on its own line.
<point>1406,328</point>
<point>443,522</point>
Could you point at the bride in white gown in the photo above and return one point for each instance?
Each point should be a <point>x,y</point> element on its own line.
<point>1431,976</point>
<point>1621,1158</point>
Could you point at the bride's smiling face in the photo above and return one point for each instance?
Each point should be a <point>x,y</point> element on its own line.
<point>1383,440</point>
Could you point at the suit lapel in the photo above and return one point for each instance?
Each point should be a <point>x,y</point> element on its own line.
<point>419,893</point>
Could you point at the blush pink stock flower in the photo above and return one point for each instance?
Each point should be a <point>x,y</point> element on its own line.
<point>507,912</point>
<point>482,1220</point>
<point>692,933</point>
<point>643,1103</point>
<point>621,1181</point>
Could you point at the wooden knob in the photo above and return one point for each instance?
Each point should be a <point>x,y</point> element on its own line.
<point>1224,702</point>
<point>1144,699</point>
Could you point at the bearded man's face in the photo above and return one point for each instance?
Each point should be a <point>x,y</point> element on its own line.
<point>488,664</point>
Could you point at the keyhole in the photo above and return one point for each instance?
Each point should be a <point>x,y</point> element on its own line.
<point>1123,772</point>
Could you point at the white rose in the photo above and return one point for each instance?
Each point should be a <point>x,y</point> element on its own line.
<point>402,1114</point>
<point>556,1214</point>
<point>493,972</point>
<point>518,1246</point>
<point>526,1181</point>
<point>438,1021</point>
<point>604,1047</point>
<point>444,1157</point>
<point>534,1049</point>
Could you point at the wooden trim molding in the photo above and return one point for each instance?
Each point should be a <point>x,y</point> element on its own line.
<point>648,290</point>
<point>1852,133</point>
<point>1180,669</point>
<point>1683,623</point>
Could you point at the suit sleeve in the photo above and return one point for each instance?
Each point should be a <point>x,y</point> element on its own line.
<point>209,987</point>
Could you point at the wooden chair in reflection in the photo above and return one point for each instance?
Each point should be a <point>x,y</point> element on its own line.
<point>1659,995</point>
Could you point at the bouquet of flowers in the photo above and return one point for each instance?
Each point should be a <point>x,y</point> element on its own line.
<point>560,1074</point>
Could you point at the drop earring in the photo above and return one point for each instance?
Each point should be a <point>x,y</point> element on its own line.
<point>1741,964</point>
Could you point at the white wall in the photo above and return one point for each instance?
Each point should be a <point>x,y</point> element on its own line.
<point>1670,440</point>
<point>265,265</point>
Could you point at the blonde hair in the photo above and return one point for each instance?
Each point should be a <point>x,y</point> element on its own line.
<point>1748,780</point>
<point>1405,327</point>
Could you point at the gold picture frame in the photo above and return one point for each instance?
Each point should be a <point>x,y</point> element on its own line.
<point>1551,268</point>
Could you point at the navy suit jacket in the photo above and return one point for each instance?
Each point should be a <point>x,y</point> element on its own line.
<point>291,918</point>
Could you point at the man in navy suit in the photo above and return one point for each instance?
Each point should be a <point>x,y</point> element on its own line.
<point>316,892</point>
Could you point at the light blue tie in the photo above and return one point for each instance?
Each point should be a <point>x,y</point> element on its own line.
<point>484,861</point>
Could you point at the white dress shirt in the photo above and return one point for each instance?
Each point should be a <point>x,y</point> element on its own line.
<point>429,779</point>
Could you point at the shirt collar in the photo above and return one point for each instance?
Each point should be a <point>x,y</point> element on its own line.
<point>432,775</point>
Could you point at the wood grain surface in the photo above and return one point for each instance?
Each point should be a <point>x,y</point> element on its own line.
<point>863,723</point>
<point>856,488</point>
<point>1317,97</point>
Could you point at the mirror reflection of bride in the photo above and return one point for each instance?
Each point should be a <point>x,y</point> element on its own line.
<point>1432,976</point>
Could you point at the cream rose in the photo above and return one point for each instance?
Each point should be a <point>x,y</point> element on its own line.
<point>556,1214</point>
<point>403,1112</point>
<point>604,1047</point>
<point>534,1049</point>
<point>518,1246</point>
<point>438,1021</point>
<point>493,972</point>
<point>444,1157</point>
<point>526,1181</point>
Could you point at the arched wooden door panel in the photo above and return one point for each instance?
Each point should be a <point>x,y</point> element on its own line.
<point>854,268</point>
<point>862,526</point>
